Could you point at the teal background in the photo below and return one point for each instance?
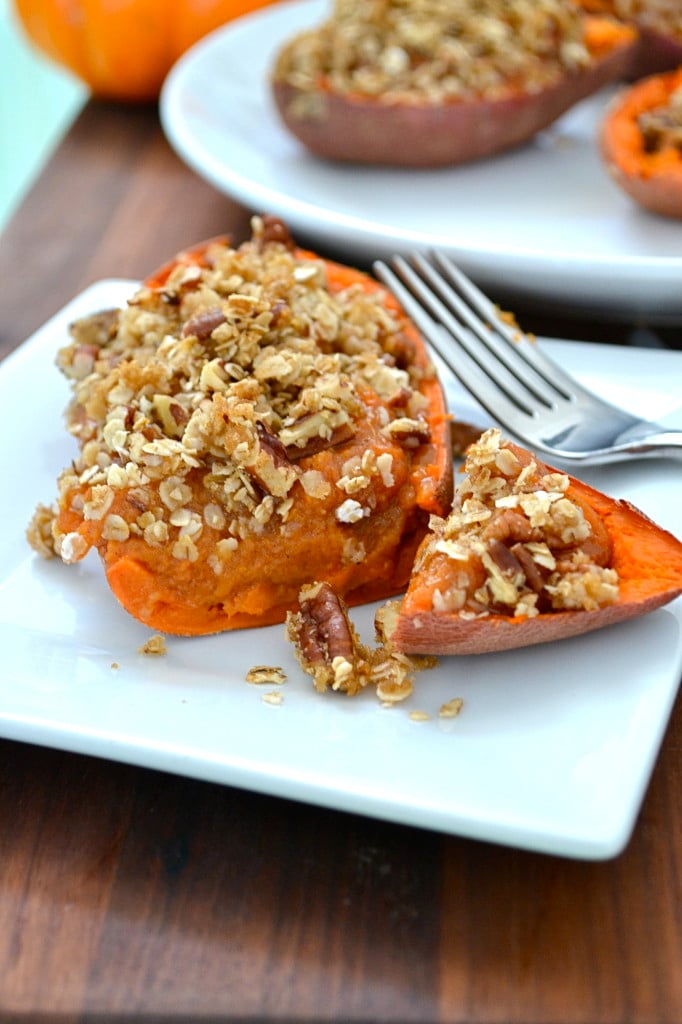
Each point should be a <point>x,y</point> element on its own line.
<point>38,102</point>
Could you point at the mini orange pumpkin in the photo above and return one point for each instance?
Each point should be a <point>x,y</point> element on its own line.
<point>123,49</point>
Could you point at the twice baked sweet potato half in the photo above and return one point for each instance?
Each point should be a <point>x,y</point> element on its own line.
<point>413,85</point>
<point>641,142</point>
<point>256,416</point>
<point>529,555</point>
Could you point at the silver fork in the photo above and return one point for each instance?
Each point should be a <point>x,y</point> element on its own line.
<point>523,390</point>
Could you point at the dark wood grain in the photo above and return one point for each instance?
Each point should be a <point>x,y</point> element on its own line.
<point>113,202</point>
<point>131,895</point>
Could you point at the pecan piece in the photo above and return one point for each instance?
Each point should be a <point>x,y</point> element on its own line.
<point>281,313</point>
<point>325,642</point>
<point>531,570</point>
<point>275,230</point>
<point>509,525</point>
<point>272,445</point>
<point>505,574</point>
<point>314,442</point>
<point>462,435</point>
<point>204,324</point>
<point>402,349</point>
<point>504,559</point>
<point>409,432</point>
<point>173,416</point>
<point>272,468</point>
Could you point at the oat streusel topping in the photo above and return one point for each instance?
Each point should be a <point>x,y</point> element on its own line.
<point>198,406</point>
<point>435,50</point>
<point>516,542</point>
<point>661,127</point>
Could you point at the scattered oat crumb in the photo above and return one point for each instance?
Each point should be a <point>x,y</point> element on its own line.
<point>114,664</point>
<point>260,674</point>
<point>155,645</point>
<point>273,697</point>
<point>451,708</point>
<point>39,532</point>
<point>420,716</point>
<point>392,691</point>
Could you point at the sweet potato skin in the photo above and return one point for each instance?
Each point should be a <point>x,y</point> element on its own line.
<point>647,558</point>
<point>652,180</point>
<point>434,634</point>
<point>365,130</point>
<point>655,53</point>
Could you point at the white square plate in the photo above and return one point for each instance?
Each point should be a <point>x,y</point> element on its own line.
<point>552,751</point>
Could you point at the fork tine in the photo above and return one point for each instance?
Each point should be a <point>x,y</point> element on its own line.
<point>505,380</point>
<point>573,423</point>
<point>502,342</point>
<point>523,348</point>
<point>476,381</point>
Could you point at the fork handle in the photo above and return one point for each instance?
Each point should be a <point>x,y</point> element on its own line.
<point>643,441</point>
<point>653,442</point>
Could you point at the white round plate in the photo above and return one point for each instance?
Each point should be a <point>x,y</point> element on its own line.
<point>543,222</point>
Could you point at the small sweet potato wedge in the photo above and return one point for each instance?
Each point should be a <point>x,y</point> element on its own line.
<point>372,92</point>
<point>255,416</point>
<point>641,142</point>
<point>528,556</point>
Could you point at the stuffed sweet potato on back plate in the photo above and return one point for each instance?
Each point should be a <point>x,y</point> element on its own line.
<point>430,83</point>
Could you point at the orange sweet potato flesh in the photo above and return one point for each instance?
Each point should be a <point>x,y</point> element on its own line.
<point>268,568</point>
<point>647,558</point>
<point>362,129</point>
<point>652,178</point>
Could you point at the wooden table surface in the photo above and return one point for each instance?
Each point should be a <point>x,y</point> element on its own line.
<point>129,894</point>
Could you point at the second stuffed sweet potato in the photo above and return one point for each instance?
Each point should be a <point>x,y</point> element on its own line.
<point>529,555</point>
